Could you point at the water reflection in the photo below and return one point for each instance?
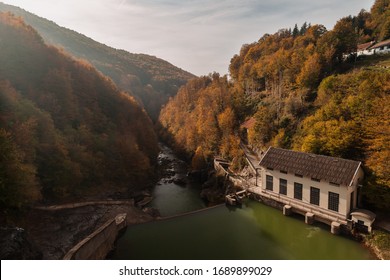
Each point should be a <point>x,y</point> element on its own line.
<point>254,232</point>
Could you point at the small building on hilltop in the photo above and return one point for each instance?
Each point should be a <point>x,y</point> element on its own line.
<point>381,47</point>
<point>365,49</point>
<point>320,187</point>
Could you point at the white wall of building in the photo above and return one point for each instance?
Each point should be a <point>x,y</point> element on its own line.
<point>382,50</point>
<point>365,52</point>
<point>324,186</point>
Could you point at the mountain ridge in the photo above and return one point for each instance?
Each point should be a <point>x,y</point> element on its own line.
<point>150,79</point>
<point>66,130</point>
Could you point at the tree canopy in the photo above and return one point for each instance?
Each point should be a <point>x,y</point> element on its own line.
<point>300,91</point>
<point>65,129</point>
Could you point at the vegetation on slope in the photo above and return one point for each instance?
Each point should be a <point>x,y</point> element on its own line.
<point>65,129</point>
<point>150,79</point>
<point>301,92</point>
<point>201,119</point>
<point>379,243</point>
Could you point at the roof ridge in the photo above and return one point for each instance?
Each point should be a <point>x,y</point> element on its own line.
<point>332,169</point>
<point>313,154</point>
<point>378,44</point>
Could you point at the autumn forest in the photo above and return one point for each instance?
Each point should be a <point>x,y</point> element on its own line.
<point>66,129</point>
<point>295,89</point>
<point>84,120</point>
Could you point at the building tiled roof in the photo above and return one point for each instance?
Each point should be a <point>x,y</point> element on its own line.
<point>365,46</point>
<point>381,44</point>
<point>331,169</point>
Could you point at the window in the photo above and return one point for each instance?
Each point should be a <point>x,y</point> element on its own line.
<point>270,168</point>
<point>269,183</point>
<point>283,186</point>
<point>315,179</point>
<point>314,196</point>
<point>333,201</point>
<point>298,191</point>
<point>283,171</point>
<point>334,184</point>
<point>298,175</point>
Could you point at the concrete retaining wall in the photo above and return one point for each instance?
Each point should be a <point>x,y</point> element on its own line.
<point>266,201</point>
<point>97,245</point>
<point>82,204</point>
<point>221,166</point>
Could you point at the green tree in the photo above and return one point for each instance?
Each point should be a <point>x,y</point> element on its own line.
<point>346,37</point>
<point>295,31</point>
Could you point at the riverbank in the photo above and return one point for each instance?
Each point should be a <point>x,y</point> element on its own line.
<point>379,243</point>
<point>53,231</point>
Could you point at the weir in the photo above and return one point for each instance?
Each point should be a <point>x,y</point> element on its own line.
<point>213,233</point>
<point>97,245</point>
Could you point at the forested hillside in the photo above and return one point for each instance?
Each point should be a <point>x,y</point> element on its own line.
<point>150,79</point>
<point>201,120</point>
<point>66,131</point>
<point>300,89</point>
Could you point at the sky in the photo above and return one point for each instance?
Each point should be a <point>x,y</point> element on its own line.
<point>199,36</point>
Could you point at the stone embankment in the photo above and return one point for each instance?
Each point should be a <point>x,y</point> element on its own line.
<point>97,245</point>
<point>57,229</point>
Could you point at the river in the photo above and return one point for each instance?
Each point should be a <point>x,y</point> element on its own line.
<point>169,197</point>
<point>254,231</point>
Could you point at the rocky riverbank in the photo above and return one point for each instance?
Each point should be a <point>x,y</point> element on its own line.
<point>50,234</point>
<point>379,243</point>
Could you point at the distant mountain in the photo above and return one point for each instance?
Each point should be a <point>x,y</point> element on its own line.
<point>66,130</point>
<point>150,79</point>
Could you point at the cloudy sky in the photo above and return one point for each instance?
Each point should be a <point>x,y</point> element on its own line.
<point>200,36</point>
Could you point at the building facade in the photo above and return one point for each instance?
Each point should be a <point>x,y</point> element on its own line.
<point>326,187</point>
<point>381,47</point>
<point>365,49</point>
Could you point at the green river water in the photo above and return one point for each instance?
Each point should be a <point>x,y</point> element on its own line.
<point>255,231</point>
